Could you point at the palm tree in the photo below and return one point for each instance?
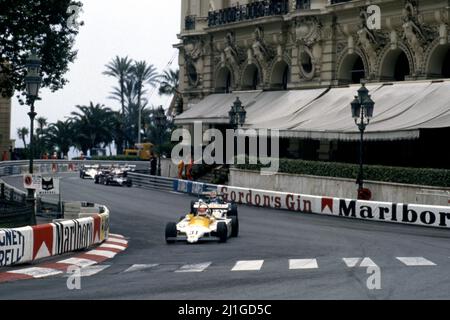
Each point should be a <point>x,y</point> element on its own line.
<point>22,133</point>
<point>42,123</point>
<point>169,86</point>
<point>92,125</point>
<point>60,135</point>
<point>143,74</point>
<point>120,68</point>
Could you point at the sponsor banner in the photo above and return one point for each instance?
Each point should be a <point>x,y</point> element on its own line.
<point>42,241</point>
<point>420,215</point>
<point>72,235</point>
<point>49,186</point>
<point>104,227</point>
<point>33,182</point>
<point>15,246</point>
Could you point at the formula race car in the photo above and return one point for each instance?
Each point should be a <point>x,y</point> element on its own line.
<point>89,172</point>
<point>215,201</point>
<point>114,177</point>
<point>206,224</point>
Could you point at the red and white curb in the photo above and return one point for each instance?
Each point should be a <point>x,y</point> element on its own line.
<point>86,261</point>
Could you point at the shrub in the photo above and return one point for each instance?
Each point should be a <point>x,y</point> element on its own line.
<point>415,176</point>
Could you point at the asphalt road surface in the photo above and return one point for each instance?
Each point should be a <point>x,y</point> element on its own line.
<point>279,255</point>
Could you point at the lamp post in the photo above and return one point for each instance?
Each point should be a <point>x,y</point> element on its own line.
<point>33,84</point>
<point>238,116</point>
<point>160,117</point>
<point>362,112</point>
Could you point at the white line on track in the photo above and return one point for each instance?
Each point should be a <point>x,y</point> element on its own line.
<point>359,262</point>
<point>194,267</point>
<point>253,265</point>
<point>82,263</point>
<point>303,264</point>
<point>416,261</point>
<point>140,267</point>
<point>37,272</point>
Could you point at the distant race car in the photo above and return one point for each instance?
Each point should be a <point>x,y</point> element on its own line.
<point>115,178</point>
<point>215,201</point>
<point>89,171</point>
<point>206,224</point>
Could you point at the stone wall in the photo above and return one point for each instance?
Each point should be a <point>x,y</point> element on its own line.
<point>5,125</point>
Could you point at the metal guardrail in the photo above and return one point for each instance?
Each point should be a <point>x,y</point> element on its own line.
<point>151,182</point>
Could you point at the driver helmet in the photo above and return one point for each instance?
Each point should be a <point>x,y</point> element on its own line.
<point>203,210</point>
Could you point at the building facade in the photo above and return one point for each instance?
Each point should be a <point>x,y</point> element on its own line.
<point>5,126</point>
<point>283,45</point>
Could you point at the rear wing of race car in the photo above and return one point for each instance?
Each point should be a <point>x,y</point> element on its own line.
<point>214,206</point>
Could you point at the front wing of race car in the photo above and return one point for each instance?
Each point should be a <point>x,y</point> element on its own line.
<point>219,231</point>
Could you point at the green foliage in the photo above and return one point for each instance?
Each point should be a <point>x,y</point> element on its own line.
<point>415,176</point>
<point>40,26</point>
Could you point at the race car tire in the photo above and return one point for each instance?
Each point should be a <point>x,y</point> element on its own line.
<point>222,232</point>
<point>234,227</point>
<point>233,212</point>
<point>96,180</point>
<point>171,232</point>
<point>105,182</point>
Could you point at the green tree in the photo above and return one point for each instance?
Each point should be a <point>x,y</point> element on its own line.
<point>92,125</point>
<point>161,134</point>
<point>121,69</point>
<point>169,86</point>
<point>60,135</point>
<point>42,123</point>
<point>40,26</point>
<point>22,133</point>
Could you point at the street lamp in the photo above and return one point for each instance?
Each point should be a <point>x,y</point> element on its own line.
<point>362,112</point>
<point>33,84</point>
<point>160,118</point>
<point>237,114</point>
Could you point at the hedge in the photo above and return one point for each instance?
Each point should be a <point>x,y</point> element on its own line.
<point>414,176</point>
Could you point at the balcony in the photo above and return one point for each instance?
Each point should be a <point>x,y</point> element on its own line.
<point>247,12</point>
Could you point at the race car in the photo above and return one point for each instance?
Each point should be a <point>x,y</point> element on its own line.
<point>115,178</point>
<point>206,224</point>
<point>89,171</point>
<point>215,201</point>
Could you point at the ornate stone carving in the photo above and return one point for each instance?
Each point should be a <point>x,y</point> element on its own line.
<point>308,30</point>
<point>415,33</point>
<point>260,50</point>
<point>230,53</point>
<point>193,48</point>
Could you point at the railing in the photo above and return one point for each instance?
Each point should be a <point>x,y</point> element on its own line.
<point>249,11</point>
<point>151,182</point>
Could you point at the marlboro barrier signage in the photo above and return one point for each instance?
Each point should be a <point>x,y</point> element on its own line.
<point>421,215</point>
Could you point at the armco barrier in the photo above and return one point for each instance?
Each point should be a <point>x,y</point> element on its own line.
<point>28,244</point>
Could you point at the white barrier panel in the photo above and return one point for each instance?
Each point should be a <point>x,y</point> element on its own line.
<point>28,244</point>
<point>420,215</point>
<point>15,246</point>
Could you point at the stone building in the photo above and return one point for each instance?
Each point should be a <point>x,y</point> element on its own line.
<point>5,126</point>
<point>297,64</point>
